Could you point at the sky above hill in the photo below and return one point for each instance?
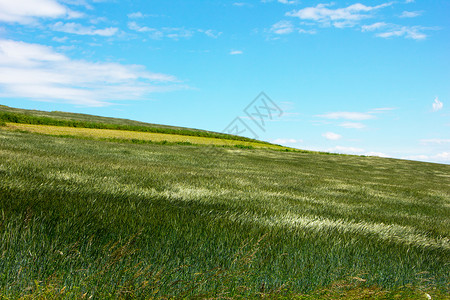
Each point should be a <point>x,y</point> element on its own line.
<point>368,77</point>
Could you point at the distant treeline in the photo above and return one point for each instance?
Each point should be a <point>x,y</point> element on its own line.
<point>37,120</point>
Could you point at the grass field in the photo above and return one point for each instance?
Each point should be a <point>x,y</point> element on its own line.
<point>67,116</point>
<point>73,120</point>
<point>84,218</point>
<point>135,135</point>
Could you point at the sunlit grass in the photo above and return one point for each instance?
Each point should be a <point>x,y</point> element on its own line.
<point>83,217</point>
<point>35,117</point>
<point>135,135</point>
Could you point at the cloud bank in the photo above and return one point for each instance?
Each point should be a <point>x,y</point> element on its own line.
<point>37,72</point>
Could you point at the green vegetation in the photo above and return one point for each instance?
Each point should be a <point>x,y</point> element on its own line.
<point>82,218</point>
<point>138,137</point>
<point>85,121</point>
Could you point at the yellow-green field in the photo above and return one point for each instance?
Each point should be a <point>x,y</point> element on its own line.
<point>133,135</point>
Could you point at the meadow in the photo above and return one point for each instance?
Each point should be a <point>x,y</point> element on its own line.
<point>74,120</point>
<point>82,218</point>
<point>137,136</point>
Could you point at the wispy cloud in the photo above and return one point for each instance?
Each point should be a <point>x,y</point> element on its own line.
<point>287,27</point>
<point>410,32</point>
<point>410,14</point>
<point>236,52</point>
<point>355,116</point>
<point>241,4</point>
<point>332,136</point>
<point>353,15</point>
<point>287,141</point>
<point>34,71</point>
<point>75,28</point>
<point>282,1</point>
<point>338,17</point>
<point>136,15</point>
<point>154,33</point>
<point>374,153</point>
<point>373,26</point>
<point>210,33</point>
<point>27,11</point>
<point>353,125</point>
<point>175,33</point>
<point>435,141</point>
<point>356,151</point>
<point>288,1</point>
<point>437,105</point>
<point>442,157</point>
<point>134,26</point>
<point>346,150</point>
<point>282,27</point>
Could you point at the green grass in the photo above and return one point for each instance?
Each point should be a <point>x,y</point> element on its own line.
<point>14,115</point>
<point>115,220</point>
<point>135,136</point>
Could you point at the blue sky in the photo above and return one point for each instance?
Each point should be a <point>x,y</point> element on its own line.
<point>368,77</point>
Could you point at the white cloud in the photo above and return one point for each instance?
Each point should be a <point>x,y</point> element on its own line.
<point>135,15</point>
<point>373,26</point>
<point>339,17</point>
<point>352,125</point>
<point>26,11</point>
<point>210,33</point>
<point>352,15</point>
<point>410,14</point>
<point>355,116</point>
<point>282,1</point>
<point>287,1</point>
<point>60,39</point>
<point>153,32</point>
<point>177,33</point>
<point>444,156</point>
<point>167,32</point>
<point>286,27</point>
<point>311,31</point>
<point>437,105</point>
<point>414,32</point>
<point>435,141</point>
<point>34,71</point>
<point>282,27</point>
<point>242,4</point>
<point>332,136</point>
<point>75,28</point>
<point>134,26</point>
<point>356,151</point>
<point>421,157</point>
<point>286,141</point>
<point>236,52</point>
<point>346,150</point>
<point>379,154</point>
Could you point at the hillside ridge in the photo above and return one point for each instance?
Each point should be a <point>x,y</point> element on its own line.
<point>57,118</point>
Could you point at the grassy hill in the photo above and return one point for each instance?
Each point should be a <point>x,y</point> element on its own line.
<point>83,217</point>
<point>86,118</point>
<point>64,119</point>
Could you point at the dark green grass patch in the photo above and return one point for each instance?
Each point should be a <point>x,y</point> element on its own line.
<point>102,219</point>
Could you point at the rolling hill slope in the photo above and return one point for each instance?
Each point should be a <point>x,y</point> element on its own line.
<point>89,217</point>
<point>64,119</point>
